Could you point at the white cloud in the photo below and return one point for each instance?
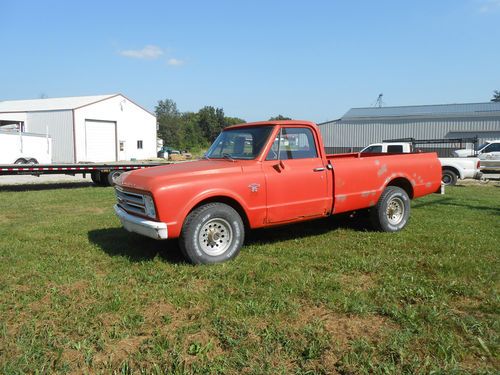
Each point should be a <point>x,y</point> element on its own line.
<point>488,6</point>
<point>175,62</point>
<point>149,52</point>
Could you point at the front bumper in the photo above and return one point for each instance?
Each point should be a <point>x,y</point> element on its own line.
<point>148,228</point>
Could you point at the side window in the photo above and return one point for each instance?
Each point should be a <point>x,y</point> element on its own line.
<point>293,143</point>
<point>374,149</point>
<point>395,149</point>
<point>494,147</point>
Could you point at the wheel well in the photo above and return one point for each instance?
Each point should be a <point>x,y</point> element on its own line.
<point>230,202</point>
<point>404,184</point>
<point>452,169</point>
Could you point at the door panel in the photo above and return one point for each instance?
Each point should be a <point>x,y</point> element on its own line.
<point>100,141</point>
<point>296,178</point>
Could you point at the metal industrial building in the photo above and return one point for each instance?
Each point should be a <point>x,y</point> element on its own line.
<point>100,128</point>
<point>360,127</point>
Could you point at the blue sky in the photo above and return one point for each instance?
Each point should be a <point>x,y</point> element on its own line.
<point>305,59</point>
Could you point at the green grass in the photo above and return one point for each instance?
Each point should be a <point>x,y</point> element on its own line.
<point>80,295</point>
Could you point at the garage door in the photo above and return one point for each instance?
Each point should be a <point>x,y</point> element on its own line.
<point>100,141</point>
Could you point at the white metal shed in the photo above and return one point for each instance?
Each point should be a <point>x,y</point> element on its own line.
<point>102,128</point>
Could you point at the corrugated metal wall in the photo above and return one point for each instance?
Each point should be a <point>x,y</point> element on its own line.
<point>352,135</point>
<point>60,127</point>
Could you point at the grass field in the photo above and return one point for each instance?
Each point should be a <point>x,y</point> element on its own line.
<point>80,295</point>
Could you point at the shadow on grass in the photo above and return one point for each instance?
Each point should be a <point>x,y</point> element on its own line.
<point>137,248</point>
<point>359,222</point>
<point>48,186</point>
<point>455,203</point>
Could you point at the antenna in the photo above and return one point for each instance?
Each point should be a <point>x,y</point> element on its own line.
<point>379,103</point>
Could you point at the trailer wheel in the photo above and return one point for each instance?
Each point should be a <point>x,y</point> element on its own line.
<point>113,177</point>
<point>32,161</point>
<point>449,178</point>
<point>392,211</point>
<point>99,178</point>
<point>212,233</point>
<point>21,161</point>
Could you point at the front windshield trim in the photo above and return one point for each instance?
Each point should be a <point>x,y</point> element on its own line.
<point>267,131</point>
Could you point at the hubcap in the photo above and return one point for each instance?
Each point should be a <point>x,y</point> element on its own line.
<point>215,237</point>
<point>395,211</point>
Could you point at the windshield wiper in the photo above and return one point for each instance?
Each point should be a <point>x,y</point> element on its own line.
<point>206,157</point>
<point>227,156</point>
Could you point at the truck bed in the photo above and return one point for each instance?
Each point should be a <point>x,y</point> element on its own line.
<point>359,179</point>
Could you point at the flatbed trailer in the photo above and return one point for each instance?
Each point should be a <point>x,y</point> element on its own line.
<point>102,174</point>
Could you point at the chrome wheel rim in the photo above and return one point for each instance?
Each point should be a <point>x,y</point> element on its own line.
<point>215,237</point>
<point>115,176</point>
<point>395,210</point>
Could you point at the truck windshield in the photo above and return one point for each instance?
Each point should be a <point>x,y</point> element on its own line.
<point>243,143</point>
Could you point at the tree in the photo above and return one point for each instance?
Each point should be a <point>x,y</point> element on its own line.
<point>279,118</point>
<point>496,96</point>
<point>191,134</point>
<point>211,121</point>
<point>233,121</point>
<point>169,124</point>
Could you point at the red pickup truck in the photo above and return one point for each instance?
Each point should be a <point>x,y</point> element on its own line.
<point>266,174</point>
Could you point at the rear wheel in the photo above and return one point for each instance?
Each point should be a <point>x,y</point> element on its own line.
<point>392,211</point>
<point>449,177</point>
<point>32,161</point>
<point>21,161</point>
<point>212,233</point>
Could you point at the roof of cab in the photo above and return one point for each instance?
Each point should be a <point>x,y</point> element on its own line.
<point>277,122</point>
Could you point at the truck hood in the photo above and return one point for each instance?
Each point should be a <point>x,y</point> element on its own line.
<point>150,179</point>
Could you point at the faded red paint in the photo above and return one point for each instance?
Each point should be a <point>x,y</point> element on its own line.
<point>271,192</point>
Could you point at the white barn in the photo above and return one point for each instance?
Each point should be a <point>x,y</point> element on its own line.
<point>102,128</point>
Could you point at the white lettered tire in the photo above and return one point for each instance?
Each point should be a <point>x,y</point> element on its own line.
<point>392,211</point>
<point>212,233</point>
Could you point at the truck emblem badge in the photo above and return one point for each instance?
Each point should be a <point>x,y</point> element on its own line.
<point>254,187</point>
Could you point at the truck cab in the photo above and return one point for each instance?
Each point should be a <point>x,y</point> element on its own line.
<point>388,147</point>
<point>490,150</point>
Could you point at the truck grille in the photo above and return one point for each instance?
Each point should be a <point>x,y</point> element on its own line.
<point>131,202</point>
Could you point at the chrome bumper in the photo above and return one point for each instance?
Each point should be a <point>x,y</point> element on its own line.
<point>148,228</point>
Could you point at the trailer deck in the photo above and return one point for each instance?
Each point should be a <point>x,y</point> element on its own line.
<point>102,174</point>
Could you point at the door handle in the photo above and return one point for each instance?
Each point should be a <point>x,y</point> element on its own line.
<point>319,169</point>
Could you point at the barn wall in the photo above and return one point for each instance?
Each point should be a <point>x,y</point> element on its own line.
<point>346,135</point>
<point>133,123</point>
<point>60,127</point>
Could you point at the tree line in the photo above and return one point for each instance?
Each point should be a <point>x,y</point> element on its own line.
<point>192,130</point>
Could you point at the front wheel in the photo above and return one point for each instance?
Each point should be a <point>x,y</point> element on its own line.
<point>212,233</point>
<point>392,211</point>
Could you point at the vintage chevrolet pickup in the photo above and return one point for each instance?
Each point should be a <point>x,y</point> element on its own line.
<point>266,174</point>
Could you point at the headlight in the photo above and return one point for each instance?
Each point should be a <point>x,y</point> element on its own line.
<point>150,206</point>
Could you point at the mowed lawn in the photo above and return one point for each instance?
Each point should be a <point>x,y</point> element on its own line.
<point>78,294</point>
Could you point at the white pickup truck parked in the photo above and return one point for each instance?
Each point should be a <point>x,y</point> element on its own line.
<point>453,168</point>
<point>24,148</point>
<point>490,150</point>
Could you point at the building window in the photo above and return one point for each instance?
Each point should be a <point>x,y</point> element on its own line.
<point>139,145</point>
<point>122,145</point>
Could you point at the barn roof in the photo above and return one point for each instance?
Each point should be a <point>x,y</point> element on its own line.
<point>50,104</point>
<point>439,110</point>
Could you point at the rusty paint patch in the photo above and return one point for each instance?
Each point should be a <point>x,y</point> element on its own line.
<point>382,170</point>
<point>428,184</point>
